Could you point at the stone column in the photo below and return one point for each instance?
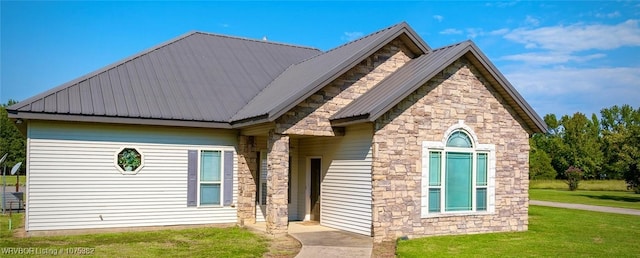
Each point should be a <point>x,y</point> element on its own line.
<point>277,183</point>
<point>247,164</point>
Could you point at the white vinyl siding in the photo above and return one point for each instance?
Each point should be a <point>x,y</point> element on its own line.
<point>294,196</point>
<point>73,182</point>
<point>261,146</point>
<point>345,191</point>
<point>261,205</point>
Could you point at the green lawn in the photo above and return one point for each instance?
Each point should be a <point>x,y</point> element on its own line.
<point>11,180</point>
<point>593,185</point>
<point>553,232</point>
<point>198,242</point>
<point>628,200</point>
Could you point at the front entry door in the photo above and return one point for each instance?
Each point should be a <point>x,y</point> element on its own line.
<point>315,172</point>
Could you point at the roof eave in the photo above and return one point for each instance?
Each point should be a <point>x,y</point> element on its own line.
<point>386,106</point>
<point>116,120</point>
<point>351,120</point>
<point>250,121</point>
<point>540,125</point>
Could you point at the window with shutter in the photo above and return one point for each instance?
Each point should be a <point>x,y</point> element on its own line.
<point>210,178</point>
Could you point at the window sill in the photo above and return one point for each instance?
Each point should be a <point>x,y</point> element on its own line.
<point>210,206</point>
<point>458,214</point>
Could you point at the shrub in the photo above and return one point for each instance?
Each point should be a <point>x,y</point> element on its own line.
<point>632,177</point>
<point>573,175</point>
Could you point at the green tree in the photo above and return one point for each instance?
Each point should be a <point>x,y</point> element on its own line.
<point>539,162</point>
<point>11,140</point>
<point>553,145</point>
<point>619,125</point>
<point>630,156</point>
<point>582,137</point>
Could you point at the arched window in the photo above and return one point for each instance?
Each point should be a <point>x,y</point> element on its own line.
<point>459,139</point>
<point>456,173</point>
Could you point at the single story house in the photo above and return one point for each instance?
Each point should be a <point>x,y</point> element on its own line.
<point>383,136</point>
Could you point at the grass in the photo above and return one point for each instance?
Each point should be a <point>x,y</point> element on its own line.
<point>628,200</point>
<point>197,242</point>
<point>592,185</point>
<point>11,181</point>
<point>553,232</point>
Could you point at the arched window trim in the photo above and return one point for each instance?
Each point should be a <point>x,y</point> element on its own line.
<point>441,146</point>
<point>460,126</point>
<point>455,134</point>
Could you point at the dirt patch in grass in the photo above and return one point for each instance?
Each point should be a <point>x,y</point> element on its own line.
<point>283,247</point>
<point>386,249</point>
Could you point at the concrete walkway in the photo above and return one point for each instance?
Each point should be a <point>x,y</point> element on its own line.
<point>323,242</point>
<point>586,207</point>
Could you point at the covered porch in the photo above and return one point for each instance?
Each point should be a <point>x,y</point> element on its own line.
<point>324,179</point>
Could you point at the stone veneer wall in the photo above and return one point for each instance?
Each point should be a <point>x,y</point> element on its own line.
<point>247,164</point>
<point>458,93</point>
<point>277,184</point>
<point>311,117</point>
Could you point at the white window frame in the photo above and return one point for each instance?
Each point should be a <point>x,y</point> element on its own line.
<point>132,172</point>
<point>200,182</point>
<point>440,146</point>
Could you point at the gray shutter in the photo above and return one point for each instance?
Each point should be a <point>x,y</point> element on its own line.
<point>228,178</point>
<point>192,178</point>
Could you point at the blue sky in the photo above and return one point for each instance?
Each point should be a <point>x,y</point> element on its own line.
<point>563,57</point>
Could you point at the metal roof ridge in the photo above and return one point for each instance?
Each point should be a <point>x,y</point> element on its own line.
<point>509,88</point>
<point>233,118</point>
<point>411,85</point>
<point>256,40</point>
<point>351,42</point>
<point>381,105</point>
<point>399,26</point>
<point>452,45</point>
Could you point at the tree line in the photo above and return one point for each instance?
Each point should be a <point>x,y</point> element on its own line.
<point>601,148</point>
<point>12,141</point>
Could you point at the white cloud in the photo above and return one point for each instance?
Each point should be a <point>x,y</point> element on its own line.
<point>471,32</point>
<point>351,36</point>
<point>530,20</point>
<point>567,90</point>
<point>438,18</point>
<point>499,31</point>
<point>608,15</point>
<point>578,37</point>
<point>546,58</point>
<point>502,4</point>
<point>474,32</point>
<point>451,31</point>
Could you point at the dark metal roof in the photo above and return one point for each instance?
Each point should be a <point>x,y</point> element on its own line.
<point>198,77</point>
<point>300,81</point>
<point>207,80</point>
<point>397,86</point>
